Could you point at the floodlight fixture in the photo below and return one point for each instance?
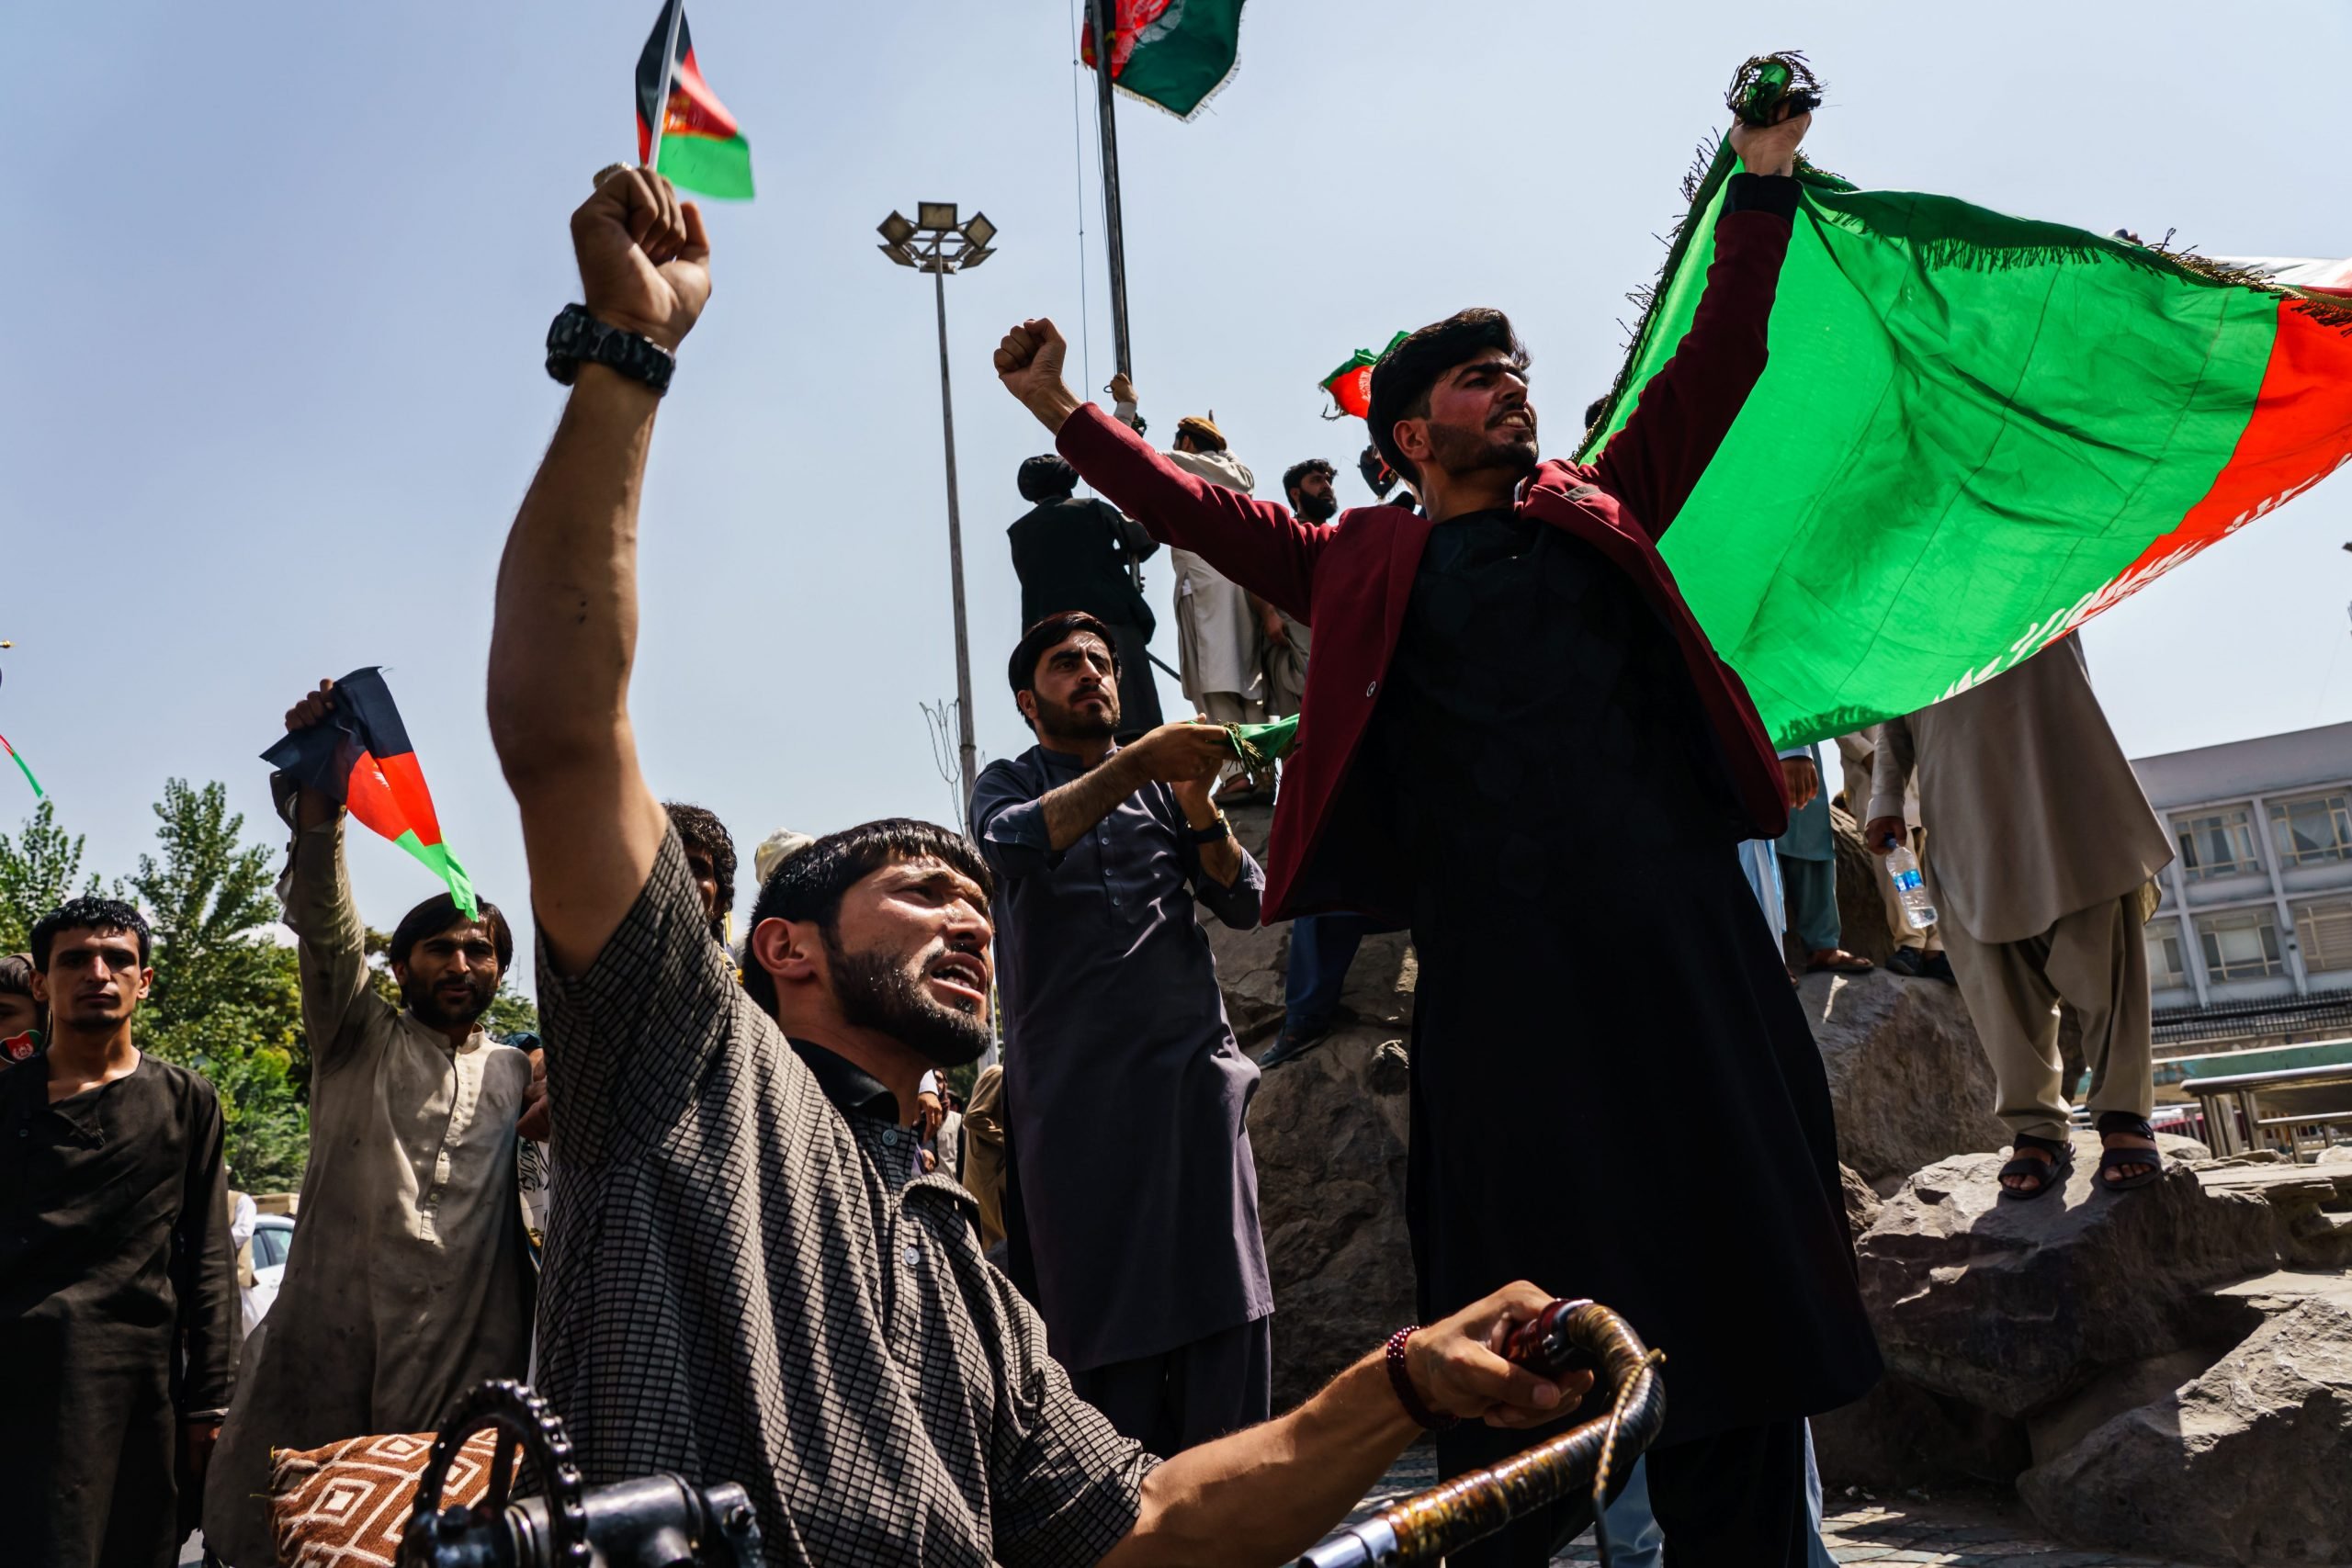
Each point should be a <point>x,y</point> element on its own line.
<point>935,214</point>
<point>896,229</point>
<point>979,230</point>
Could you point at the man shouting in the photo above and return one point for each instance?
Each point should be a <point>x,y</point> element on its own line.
<point>1517,738</point>
<point>750,1275</point>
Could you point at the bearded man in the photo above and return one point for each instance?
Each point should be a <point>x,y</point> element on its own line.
<point>1517,739</point>
<point>1125,1093</point>
<point>750,1275</point>
<point>409,1278</point>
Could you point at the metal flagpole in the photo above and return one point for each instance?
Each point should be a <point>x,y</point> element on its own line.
<point>965,749</point>
<point>661,104</point>
<point>1114,244</point>
<point>1113,241</point>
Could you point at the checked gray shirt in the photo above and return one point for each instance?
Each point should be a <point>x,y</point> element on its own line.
<point>746,1281</point>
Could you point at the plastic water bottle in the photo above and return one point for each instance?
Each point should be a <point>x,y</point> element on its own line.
<point>1909,886</point>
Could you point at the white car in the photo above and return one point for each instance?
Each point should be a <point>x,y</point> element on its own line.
<point>273,1239</point>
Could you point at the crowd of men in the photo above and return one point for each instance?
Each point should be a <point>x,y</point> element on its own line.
<point>730,1218</point>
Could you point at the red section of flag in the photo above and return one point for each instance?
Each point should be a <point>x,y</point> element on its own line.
<point>694,110</point>
<point>390,797</point>
<point>2301,432</point>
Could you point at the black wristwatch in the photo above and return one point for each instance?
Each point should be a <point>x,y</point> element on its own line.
<point>576,336</point>
<point>1213,834</point>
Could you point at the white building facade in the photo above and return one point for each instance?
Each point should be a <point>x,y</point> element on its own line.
<point>2252,943</point>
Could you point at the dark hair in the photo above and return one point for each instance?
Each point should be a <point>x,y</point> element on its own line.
<point>1047,478</point>
<point>1297,471</point>
<point>1402,380</point>
<point>1020,670</point>
<point>699,828</point>
<point>1594,410</point>
<point>811,885</point>
<point>437,915</point>
<point>90,913</point>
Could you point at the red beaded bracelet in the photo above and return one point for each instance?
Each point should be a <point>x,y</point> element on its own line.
<point>1402,1381</point>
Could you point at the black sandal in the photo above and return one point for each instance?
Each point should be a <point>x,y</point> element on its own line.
<point>2116,1159</point>
<point>2051,1172</point>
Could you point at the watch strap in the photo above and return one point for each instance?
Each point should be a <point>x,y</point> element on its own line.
<point>1214,833</point>
<point>575,338</point>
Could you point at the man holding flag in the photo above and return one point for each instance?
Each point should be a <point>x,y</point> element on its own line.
<point>409,1280</point>
<point>1508,704</point>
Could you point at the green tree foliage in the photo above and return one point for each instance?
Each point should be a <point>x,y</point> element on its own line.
<point>227,999</point>
<point>38,868</point>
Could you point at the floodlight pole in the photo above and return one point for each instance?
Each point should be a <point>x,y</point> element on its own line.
<point>966,752</point>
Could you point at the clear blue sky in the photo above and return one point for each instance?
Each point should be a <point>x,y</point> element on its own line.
<point>280,274</point>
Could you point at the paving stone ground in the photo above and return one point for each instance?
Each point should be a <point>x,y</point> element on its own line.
<point>1987,1530</point>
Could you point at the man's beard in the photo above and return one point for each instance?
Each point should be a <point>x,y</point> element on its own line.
<point>422,1002</point>
<point>1459,452</point>
<point>1321,508</point>
<point>1071,724</point>
<point>878,991</point>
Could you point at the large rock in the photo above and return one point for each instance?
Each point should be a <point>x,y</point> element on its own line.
<point>2248,1461</point>
<point>2012,1307</point>
<point>1328,1130</point>
<point>1907,1079</point>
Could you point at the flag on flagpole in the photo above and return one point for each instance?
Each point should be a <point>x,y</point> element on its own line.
<point>1174,54</point>
<point>361,758</point>
<point>701,148</point>
<point>1974,432</point>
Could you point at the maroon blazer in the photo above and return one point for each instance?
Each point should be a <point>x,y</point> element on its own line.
<point>1349,579</point>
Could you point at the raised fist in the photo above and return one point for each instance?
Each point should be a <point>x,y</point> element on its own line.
<point>1029,362</point>
<point>644,258</point>
<point>1770,148</point>
<point>313,708</point>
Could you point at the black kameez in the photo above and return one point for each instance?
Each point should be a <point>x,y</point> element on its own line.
<point>1615,1094</point>
<point>119,1311</point>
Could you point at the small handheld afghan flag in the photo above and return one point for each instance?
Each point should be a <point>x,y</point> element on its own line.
<point>1260,744</point>
<point>1174,54</point>
<point>683,131</point>
<point>1351,384</point>
<point>361,758</point>
<point>24,767</point>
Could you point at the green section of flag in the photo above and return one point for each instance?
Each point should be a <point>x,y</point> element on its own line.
<point>1182,54</point>
<point>708,166</point>
<point>1258,744</point>
<point>443,865</point>
<point>1969,422</point>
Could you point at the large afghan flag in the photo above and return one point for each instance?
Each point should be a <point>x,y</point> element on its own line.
<point>1174,54</point>
<point>702,150</point>
<point>361,757</point>
<point>1975,432</point>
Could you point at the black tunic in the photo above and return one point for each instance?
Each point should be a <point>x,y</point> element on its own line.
<point>1072,554</point>
<point>1615,1094</point>
<point>119,1309</point>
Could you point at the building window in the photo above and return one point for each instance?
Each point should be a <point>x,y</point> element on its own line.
<point>2165,969</point>
<point>2240,945</point>
<point>2326,932</point>
<point>2217,844</point>
<point>2315,829</point>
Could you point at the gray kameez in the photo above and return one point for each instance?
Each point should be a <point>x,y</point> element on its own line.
<point>1127,1096</point>
<point>409,1279</point>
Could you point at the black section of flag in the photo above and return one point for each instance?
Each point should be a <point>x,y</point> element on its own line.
<point>649,65</point>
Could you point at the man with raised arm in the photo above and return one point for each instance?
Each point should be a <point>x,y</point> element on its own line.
<point>410,1282</point>
<point>1111,1005</point>
<point>1509,711</point>
<point>749,1277</point>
